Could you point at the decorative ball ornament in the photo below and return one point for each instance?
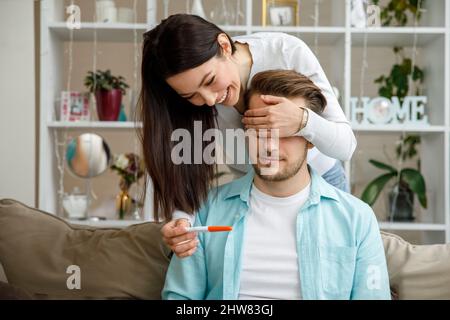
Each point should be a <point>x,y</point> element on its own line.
<point>380,111</point>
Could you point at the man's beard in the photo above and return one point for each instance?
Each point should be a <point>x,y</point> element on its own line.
<point>287,173</point>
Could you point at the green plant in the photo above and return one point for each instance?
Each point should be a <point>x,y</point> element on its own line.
<point>410,179</point>
<point>406,148</point>
<point>104,80</point>
<point>397,11</point>
<point>397,82</point>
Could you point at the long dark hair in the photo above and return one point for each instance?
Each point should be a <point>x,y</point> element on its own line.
<point>179,43</point>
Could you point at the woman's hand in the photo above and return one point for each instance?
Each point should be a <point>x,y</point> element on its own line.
<point>182,243</point>
<point>282,114</point>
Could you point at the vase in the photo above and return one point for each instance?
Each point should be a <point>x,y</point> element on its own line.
<point>75,205</point>
<point>124,202</point>
<point>400,204</point>
<point>108,104</point>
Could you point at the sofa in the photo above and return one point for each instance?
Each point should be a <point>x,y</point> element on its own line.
<point>44,257</point>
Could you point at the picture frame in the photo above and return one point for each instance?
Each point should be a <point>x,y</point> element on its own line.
<point>74,106</point>
<point>280,13</point>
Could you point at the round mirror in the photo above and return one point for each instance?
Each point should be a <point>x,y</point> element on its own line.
<point>88,155</point>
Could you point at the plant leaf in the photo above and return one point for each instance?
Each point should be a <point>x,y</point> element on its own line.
<point>416,183</point>
<point>373,189</point>
<point>382,166</point>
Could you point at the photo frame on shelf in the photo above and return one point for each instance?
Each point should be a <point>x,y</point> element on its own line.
<point>280,13</point>
<point>74,106</point>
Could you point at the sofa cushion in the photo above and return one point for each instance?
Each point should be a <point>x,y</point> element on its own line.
<point>417,271</point>
<point>37,250</point>
<point>9,292</point>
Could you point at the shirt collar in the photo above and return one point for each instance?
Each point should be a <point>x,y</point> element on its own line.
<point>241,186</point>
<point>319,188</point>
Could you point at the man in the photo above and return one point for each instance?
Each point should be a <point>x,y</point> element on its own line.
<point>294,235</point>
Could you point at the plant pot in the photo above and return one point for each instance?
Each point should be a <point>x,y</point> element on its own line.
<point>400,204</point>
<point>108,104</point>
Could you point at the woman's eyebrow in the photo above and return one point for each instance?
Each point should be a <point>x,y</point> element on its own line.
<point>201,83</point>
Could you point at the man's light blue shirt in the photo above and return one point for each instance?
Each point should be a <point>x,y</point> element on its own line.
<point>339,247</point>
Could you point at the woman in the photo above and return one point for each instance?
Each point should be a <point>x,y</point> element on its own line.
<point>190,69</point>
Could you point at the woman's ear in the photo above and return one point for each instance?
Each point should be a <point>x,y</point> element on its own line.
<point>224,43</point>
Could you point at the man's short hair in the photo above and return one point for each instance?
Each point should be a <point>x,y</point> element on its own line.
<point>289,84</point>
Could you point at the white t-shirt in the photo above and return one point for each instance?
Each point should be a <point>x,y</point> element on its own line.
<point>270,261</point>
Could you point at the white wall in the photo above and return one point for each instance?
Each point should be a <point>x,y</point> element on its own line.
<point>17,101</point>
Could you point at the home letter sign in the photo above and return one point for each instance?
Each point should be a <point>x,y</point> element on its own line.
<point>382,110</point>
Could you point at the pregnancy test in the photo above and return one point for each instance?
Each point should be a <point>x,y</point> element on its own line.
<point>209,229</point>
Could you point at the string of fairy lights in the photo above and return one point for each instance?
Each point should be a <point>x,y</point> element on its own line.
<point>400,162</point>
<point>60,137</point>
<point>136,213</point>
<point>364,67</point>
<point>88,182</point>
<point>60,144</point>
<point>315,18</point>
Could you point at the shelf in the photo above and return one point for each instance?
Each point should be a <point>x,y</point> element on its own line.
<point>105,223</point>
<point>231,28</point>
<point>411,226</point>
<point>325,35</point>
<point>397,128</point>
<point>109,32</point>
<point>94,125</point>
<point>399,30</point>
<point>298,29</point>
<point>392,36</point>
<point>132,125</point>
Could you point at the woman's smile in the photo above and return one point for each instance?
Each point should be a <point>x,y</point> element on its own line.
<point>224,96</point>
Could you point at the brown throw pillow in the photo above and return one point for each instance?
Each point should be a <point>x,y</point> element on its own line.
<point>37,249</point>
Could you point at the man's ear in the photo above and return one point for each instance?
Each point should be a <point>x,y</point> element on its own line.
<point>224,43</point>
<point>309,145</point>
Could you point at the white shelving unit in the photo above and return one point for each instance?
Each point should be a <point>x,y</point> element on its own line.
<point>93,125</point>
<point>104,223</point>
<point>339,52</point>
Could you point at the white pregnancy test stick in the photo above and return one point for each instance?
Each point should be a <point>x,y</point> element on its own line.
<point>209,229</point>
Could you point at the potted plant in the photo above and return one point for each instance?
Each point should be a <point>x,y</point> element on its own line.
<point>108,90</point>
<point>397,11</point>
<point>409,181</point>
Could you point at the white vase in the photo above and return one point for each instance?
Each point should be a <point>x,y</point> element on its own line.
<point>75,205</point>
<point>197,9</point>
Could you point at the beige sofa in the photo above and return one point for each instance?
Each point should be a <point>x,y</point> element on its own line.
<point>37,250</point>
